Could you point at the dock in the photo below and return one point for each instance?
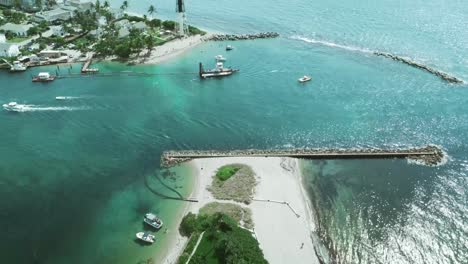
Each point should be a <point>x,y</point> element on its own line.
<point>429,155</point>
<point>85,69</point>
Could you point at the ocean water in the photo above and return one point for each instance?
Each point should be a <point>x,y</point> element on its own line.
<point>77,175</point>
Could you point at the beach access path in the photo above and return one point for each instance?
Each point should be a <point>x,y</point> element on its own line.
<point>280,210</point>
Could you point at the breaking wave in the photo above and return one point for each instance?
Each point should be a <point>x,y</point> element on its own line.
<point>36,108</point>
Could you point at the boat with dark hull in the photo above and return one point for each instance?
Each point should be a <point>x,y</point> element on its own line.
<point>152,220</point>
<point>219,71</point>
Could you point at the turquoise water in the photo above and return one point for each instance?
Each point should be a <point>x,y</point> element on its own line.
<point>72,184</point>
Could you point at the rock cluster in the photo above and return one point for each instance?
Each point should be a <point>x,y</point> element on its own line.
<point>232,37</point>
<point>438,73</point>
<point>429,155</point>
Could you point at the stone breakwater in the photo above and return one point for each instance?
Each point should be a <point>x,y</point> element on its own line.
<point>442,75</point>
<point>429,155</point>
<point>233,37</point>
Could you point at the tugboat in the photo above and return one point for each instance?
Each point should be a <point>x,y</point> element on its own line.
<point>153,220</point>
<point>304,79</point>
<point>18,67</point>
<point>145,237</point>
<point>43,77</point>
<point>219,71</point>
<point>229,47</point>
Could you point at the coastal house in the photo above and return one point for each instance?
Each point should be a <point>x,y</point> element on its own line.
<point>124,23</point>
<point>81,5</point>
<point>51,54</point>
<point>18,29</point>
<point>57,31</point>
<point>139,26</point>
<point>53,15</point>
<point>123,32</point>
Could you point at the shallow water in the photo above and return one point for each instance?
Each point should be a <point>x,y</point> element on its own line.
<point>80,174</point>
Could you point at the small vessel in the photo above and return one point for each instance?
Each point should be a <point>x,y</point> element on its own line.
<point>13,107</point>
<point>146,237</point>
<point>152,220</point>
<point>229,47</point>
<point>219,71</point>
<point>17,67</point>
<point>43,77</point>
<point>305,78</point>
<point>220,58</point>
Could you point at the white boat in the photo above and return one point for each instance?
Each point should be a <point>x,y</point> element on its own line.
<point>43,77</point>
<point>305,78</point>
<point>146,237</point>
<point>65,97</point>
<point>219,71</point>
<point>220,58</point>
<point>17,67</point>
<point>229,47</point>
<point>153,220</point>
<point>13,107</point>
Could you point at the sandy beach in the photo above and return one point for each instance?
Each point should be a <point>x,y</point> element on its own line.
<point>280,210</point>
<point>170,49</point>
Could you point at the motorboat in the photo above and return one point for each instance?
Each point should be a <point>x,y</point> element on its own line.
<point>304,79</point>
<point>219,71</point>
<point>43,77</point>
<point>145,237</point>
<point>229,47</point>
<point>152,220</point>
<point>13,107</point>
<point>65,98</point>
<point>17,67</point>
<point>220,58</point>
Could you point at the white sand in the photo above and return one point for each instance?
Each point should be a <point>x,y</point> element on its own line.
<point>171,49</point>
<point>283,233</point>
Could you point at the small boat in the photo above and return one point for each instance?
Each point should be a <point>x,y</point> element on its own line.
<point>146,237</point>
<point>13,107</point>
<point>43,77</point>
<point>304,79</point>
<point>65,97</point>
<point>220,58</point>
<point>18,67</point>
<point>229,47</point>
<point>219,71</point>
<point>153,220</point>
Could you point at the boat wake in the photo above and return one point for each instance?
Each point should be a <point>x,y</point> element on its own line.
<point>67,97</point>
<point>444,76</point>
<point>37,108</point>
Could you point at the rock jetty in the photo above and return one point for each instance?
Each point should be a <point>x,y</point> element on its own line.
<point>430,155</point>
<point>442,75</point>
<point>233,37</point>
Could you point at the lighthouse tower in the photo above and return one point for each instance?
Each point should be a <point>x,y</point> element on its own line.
<point>180,9</point>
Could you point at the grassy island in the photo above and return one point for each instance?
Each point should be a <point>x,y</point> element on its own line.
<point>234,182</point>
<point>217,238</point>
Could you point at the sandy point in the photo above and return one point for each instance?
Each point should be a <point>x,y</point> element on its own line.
<point>280,209</point>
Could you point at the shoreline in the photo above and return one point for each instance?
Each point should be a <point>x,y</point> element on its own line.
<point>279,194</point>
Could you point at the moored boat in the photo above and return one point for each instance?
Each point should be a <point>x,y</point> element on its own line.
<point>305,78</point>
<point>145,237</point>
<point>220,58</point>
<point>43,77</point>
<point>229,47</point>
<point>219,71</point>
<point>17,67</point>
<point>152,220</point>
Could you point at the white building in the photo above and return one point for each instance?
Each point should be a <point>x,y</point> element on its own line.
<point>57,31</point>
<point>140,26</point>
<point>20,30</point>
<point>82,5</point>
<point>2,38</point>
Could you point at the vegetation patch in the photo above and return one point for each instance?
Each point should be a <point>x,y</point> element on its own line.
<point>241,215</point>
<point>223,241</point>
<point>237,182</point>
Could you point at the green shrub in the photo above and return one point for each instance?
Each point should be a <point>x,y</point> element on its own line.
<point>188,224</point>
<point>170,25</point>
<point>226,172</point>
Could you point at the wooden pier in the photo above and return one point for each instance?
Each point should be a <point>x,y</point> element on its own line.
<point>429,155</point>
<point>85,69</point>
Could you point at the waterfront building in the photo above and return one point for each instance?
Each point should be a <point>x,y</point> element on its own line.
<point>9,49</point>
<point>53,15</point>
<point>51,54</point>
<point>18,29</point>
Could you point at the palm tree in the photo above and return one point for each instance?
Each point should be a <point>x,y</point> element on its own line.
<point>124,5</point>
<point>106,4</point>
<point>38,4</point>
<point>151,11</point>
<point>97,6</point>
